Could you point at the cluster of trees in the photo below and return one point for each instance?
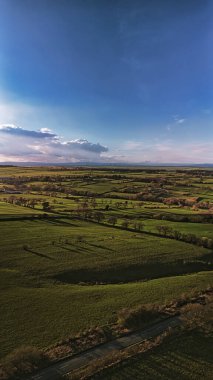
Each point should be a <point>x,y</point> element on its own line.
<point>150,196</point>
<point>88,204</point>
<point>188,238</point>
<point>180,201</point>
<point>84,210</point>
<point>199,218</point>
<point>22,201</point>
<point>28,202</point>
<point>188,202</point>
<point>203,205</point>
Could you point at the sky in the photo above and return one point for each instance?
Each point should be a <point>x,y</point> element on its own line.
<point>116,81</point>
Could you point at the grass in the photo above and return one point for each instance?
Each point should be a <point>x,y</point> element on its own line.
<point>186,357</point>
<point>14,210</point>
<point>46,251</point>
<point>41,316</point>
<point>61,276</point>
<point>198,229</point>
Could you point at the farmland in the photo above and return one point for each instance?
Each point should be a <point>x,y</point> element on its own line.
<point>187,357</point>
<point>79,244</point>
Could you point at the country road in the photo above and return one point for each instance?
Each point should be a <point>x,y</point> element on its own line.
<point>65,366</point>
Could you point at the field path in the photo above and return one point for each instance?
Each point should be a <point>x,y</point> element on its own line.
<point>67,365</point>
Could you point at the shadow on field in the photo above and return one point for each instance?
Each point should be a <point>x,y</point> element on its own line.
<point>84,248</point>
<point>131,273</point>
<point>39,254</point>
<point>59,222</point>
<point>101,246</point>
<point>75,248</point>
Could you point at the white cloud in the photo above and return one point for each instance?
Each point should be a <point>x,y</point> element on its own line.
<point>23,145</point>
<point>18,131</point>
<point>45,130</point>
<point>19,144</point>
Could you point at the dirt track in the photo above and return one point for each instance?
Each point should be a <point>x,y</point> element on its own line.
<point>67,365</point>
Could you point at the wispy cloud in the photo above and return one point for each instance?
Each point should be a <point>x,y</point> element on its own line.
<point>167,151</point>
<point>181,121</point>
<point>178,119</point>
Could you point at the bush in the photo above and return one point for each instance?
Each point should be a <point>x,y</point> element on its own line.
<point>23,360</point>
<point>196,316</point>
<point>26,247</point>
<point>80,239</point>
<point>137,317</point>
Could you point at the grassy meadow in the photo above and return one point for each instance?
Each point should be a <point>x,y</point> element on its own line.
<point>185,358</point>
<point>79,244</point>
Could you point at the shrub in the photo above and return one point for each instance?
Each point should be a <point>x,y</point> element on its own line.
<point>26,247</point>
<point>79,239</point>
<point>197,316</point>
<point>137,317</point>
<point>23,360</point>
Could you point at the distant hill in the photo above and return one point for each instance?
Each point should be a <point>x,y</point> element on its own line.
<point>86,163</point>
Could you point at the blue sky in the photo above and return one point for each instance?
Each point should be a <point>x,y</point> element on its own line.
<point>108,81</point>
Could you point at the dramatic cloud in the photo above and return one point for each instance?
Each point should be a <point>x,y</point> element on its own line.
<point>23,145</point>
<point>18,144</point>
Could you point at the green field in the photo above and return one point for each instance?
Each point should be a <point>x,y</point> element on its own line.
<point>43,315</point>
<point>64,270</point>
<point>184,358</point>
<point>8,210</point>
